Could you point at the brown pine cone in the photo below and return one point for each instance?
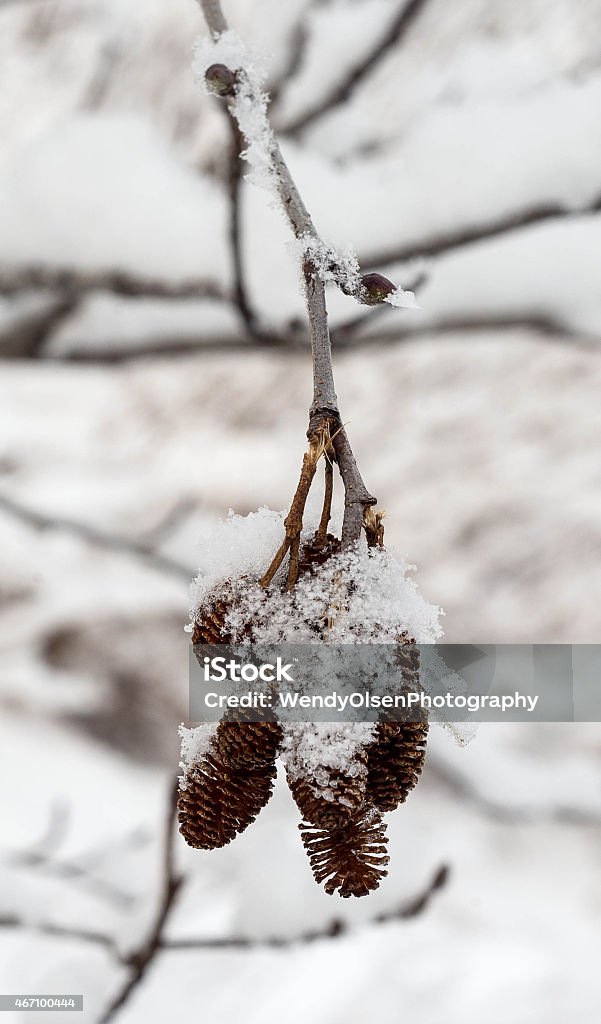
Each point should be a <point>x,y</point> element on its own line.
<point>394,762</point>
<point>313,554</point>
<point>332,800</point>
<point>218,803</point>
<point>351,859</point>
<point>210,628</point>
<point>243,744</point>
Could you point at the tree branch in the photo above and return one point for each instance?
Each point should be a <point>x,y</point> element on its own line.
<point>324,396</point>
<point>460,238</point>
<point>234,182</point>
<point>90,534</point>
<point>73,282</point>
<point>335,928</point>
<point>26,338</point>
<point>298,45</point>
<point>143,956</point>
<point>399,27</point>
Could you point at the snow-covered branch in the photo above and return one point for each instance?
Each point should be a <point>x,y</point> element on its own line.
<point>231,72</point>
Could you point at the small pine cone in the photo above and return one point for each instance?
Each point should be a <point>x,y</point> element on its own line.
<point>394,762</point>
<point>329,798</point>
<point>218,803</point>
<point>351,859</point>
<point>331,805</point>
<point>211,628</point>
<point>314,555</point>
<point>241,744</point>
<point>408,660</point>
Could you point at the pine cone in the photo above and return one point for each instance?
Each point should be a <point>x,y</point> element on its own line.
<point>394,762</point>
<point>330,797</point>
<point>241,744</point>
<point>351,859</point>
<point>218,803</point>
<point>313,554</point>
<point>211,629</point>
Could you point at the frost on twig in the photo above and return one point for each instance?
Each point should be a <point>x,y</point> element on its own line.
<point>227,68</point>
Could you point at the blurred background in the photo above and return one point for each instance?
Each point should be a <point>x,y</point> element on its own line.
<point>155,372</point>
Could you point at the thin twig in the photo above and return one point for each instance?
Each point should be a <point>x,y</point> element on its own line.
<point>333,930</point>
<point>400,25</point>
<point>235,184</point>
<point>296,54</point>
<point>324,406</point>
<point>60,931</point>
<point>326,512</point>
<point>142,957</point>
<point>26,338</point>
<point>459,238</point>
<point>98,538</point>
<point>73,282</point>
<point>545,326</point>
<point>293,523</point>
<point>465,790</point>
<point>350,338</point>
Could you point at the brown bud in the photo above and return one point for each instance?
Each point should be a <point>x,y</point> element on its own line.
<point>220,80</point>
<point>375,289</point>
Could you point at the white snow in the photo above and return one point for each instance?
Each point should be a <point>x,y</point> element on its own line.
<point>375,600</point>
<point>195,743</point>
<point>249,105</point>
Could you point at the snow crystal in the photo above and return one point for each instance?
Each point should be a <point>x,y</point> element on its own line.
<point>236,546</point>
<point>310,749</point>
<point>249,105</point>
<point>402,299</point>
<point>332,263</point>
<point>361,595</point>
<point>195,743</point>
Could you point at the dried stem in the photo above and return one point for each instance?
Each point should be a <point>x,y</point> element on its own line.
<point>324,409</point>
<point>322,530</point>
<point>293,522</point>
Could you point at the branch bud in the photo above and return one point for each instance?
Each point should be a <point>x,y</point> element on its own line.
<point>220,80</point>
<point>375,289</point>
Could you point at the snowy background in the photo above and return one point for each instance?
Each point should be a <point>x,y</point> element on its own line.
<point>146,386</point>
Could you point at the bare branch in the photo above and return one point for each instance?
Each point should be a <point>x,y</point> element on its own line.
<point>401,24</point>
<point>90,534</point>
<point>59,931</point>
<point>71,281</point>
<point>333,930</point>
<point>466,791</point>
<point>214,16</point>
<point>234,175</point>
<point>446,242</point>
<point>143,956</point>
<point>26,338</point>
<point>296,53</point>
<point>543,325</point>
<point>357,498</point>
